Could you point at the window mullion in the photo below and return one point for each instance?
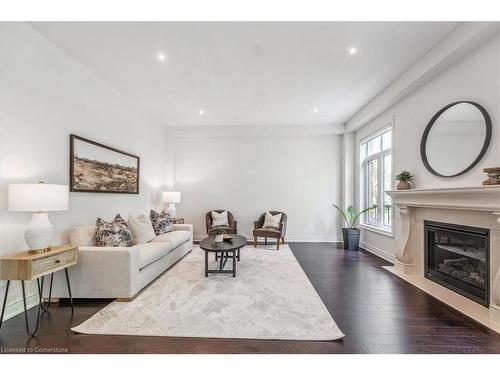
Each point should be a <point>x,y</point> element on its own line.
<point>380,216</point>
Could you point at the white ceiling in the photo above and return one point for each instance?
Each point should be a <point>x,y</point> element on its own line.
<point>247,73</point>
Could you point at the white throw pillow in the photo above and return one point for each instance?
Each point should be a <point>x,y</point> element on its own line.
<point>142,229</point>
<point>272,221</point>
<point>82,236</point>
<point>220,219</point>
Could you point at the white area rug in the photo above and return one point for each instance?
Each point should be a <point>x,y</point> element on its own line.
<point>270,298</point>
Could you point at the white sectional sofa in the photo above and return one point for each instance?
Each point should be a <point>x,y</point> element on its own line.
<point>120,272</point>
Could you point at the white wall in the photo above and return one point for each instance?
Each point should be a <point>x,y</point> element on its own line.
<point>249,170</point>
<point>476,78</point>
<point>46,95</point>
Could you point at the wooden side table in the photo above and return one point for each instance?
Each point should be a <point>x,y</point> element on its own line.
<point>178,221</point>
<point>26,267</point>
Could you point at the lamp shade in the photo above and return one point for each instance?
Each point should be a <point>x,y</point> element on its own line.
<point>171,197</point>
<point>38,197</point>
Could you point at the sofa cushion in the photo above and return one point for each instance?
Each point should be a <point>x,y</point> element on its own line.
<point>175,238</point>
<point>141,228</point>
<point>151,252</point>
<point>82,236</point>
<point>113,234</point>
<point>162,223</point>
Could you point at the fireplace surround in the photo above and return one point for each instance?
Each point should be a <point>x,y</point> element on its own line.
<point>477,207</point>
<point>457,257</point>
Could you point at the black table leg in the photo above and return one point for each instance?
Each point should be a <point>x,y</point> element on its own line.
<point>4,302</point>
<point>69,289</point>
<point>26,314</point>
<point>234,263</point>
<point>238,254</point>
<point>222,255</point>
<point>40,292</point>
<point>206,263</point>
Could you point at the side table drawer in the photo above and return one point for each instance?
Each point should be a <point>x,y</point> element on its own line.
<point>50,263</point>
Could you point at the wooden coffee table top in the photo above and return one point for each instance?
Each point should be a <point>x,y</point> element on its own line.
<point>208,244</point>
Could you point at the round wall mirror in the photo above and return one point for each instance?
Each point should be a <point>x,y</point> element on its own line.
<point>456,139</point>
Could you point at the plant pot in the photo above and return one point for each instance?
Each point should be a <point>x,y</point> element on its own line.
<point>404,185</point>
<point>350,238</point>
<point>219,238</point>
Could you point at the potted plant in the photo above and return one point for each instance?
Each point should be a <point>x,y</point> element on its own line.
<point>219,235</point>
<point>350,234</point>
<point>404,178</point>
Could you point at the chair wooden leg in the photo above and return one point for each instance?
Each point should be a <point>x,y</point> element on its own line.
<point>278,243</point>
<point>283,240</point>
<point>255,241</point>
<point>265,240</point>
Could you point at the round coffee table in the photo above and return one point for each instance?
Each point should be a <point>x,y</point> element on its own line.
<point>223,249</point>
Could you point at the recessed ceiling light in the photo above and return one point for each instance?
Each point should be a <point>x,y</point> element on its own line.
<point>161,56</point>
<point>315,109</point>
<point>353,50</point>
<point>201,112</point>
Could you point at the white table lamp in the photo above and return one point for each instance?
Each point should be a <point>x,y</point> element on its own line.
<point>38,198</point>
<point>171,197</point>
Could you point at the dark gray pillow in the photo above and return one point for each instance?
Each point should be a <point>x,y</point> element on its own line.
<point>113,234</point>
<point>162,223</point>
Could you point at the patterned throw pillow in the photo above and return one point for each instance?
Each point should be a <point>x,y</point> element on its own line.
<point>162,223</point>
<point>113,234</point>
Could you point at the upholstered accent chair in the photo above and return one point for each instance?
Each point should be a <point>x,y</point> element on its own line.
<point>231,229</point>
<point>260,231</point>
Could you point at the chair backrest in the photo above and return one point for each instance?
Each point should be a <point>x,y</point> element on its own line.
<point>208,218</point>
<point>284,218</point>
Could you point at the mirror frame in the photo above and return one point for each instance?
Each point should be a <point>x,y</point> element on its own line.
<point>487,138</point>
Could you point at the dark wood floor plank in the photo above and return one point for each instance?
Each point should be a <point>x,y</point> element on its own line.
<point>377,311</point>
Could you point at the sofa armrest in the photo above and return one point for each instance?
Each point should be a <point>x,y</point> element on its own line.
<point>108,272</point>
<point>188,227</point>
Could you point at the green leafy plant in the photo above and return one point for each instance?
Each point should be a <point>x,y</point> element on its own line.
<point>219,231</point>
<point>405,176</point>
<point>351,216</point>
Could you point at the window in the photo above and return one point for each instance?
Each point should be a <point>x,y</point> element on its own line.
<point>375,156</point>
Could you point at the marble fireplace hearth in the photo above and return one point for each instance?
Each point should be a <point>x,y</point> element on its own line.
<point>470,206</point>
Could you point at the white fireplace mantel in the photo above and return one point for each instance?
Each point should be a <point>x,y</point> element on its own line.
<point>466,205</point>
<point>477,198</point>
<point>483,198</point>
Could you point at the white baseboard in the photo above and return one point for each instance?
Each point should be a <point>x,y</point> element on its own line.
<point>199,237</point>
<point>17,307</point>
<point>378,252</point>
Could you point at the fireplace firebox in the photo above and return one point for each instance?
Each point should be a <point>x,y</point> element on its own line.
<point>457,257</point>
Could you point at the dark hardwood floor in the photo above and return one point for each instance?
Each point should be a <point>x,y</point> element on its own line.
<point>378,312</point>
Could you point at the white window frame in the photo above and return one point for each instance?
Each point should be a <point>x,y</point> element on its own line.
<point>377,226</point>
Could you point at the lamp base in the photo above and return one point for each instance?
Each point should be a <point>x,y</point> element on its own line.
<point>38,251</point>
<point>171,211</point>
<point>39,233</point>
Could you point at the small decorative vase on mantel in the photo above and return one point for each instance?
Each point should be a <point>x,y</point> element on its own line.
<point>404,185</point>
<point>405,178</point>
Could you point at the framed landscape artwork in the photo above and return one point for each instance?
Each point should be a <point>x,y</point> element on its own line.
<point>96,168</point>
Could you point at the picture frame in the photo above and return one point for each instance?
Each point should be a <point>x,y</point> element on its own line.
<point>98,168</point>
